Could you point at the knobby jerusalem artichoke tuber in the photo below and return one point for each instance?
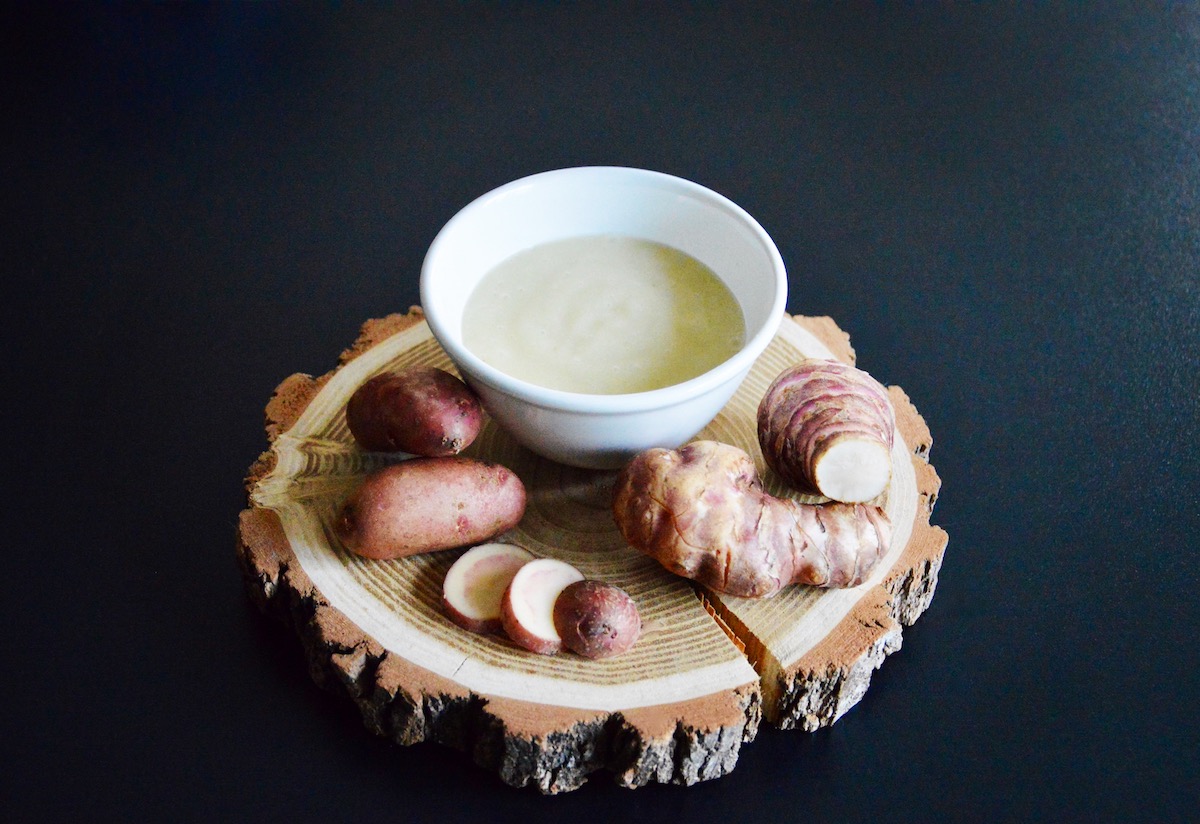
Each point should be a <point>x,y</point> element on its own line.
<point>702,513</point>
<point>828,428</point>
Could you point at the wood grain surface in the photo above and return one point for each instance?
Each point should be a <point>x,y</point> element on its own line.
<point>679,705</point>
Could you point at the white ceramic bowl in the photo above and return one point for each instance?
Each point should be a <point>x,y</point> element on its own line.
<point>603,431</point>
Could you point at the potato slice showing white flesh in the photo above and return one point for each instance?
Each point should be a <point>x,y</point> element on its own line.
<point>474,587</point>
<point>528,607</point>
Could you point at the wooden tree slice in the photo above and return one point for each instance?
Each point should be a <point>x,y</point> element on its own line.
<point>675,708</point>
<point>816,648</point>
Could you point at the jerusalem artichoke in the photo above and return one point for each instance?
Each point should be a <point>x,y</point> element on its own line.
<point>827,428</point>
<point>702,513</point>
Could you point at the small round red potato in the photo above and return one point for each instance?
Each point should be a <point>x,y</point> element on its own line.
<point>596,619</point>
<point>422,411</point>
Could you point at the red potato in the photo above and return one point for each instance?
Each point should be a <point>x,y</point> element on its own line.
<point>474,587</point>
<point>828,428</point>
<point>596,619</point>
<point>427,504</point>
<point>702,513</point>
<point>527,612</point>
<point>423,411</point>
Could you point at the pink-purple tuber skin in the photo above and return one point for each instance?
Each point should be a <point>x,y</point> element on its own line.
<point>827,429</point>
<point>702,513</point>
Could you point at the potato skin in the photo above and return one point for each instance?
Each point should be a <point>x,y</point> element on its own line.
<point>428,504</point>
<point>596,619</point>
<point>423,411</point>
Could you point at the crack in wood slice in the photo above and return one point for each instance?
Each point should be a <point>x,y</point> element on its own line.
<point>677,708</point>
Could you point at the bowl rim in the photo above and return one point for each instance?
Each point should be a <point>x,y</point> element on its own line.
<point>557,399</point>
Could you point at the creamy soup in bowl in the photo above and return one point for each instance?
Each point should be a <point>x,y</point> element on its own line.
<point>603,314</point>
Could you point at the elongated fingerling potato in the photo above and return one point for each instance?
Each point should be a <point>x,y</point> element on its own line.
<point>427,504</point>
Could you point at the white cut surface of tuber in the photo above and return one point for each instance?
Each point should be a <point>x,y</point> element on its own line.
<point>828,428</point>
<point>702,513</point>
<point>474,586</point>
<point>527,611</point>
<point>853,470</point>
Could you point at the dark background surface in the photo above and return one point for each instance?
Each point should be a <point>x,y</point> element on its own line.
<point>999,204</point>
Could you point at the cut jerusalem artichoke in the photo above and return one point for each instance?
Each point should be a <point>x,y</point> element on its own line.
<point>827,428</point>
<point>702,513</point>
